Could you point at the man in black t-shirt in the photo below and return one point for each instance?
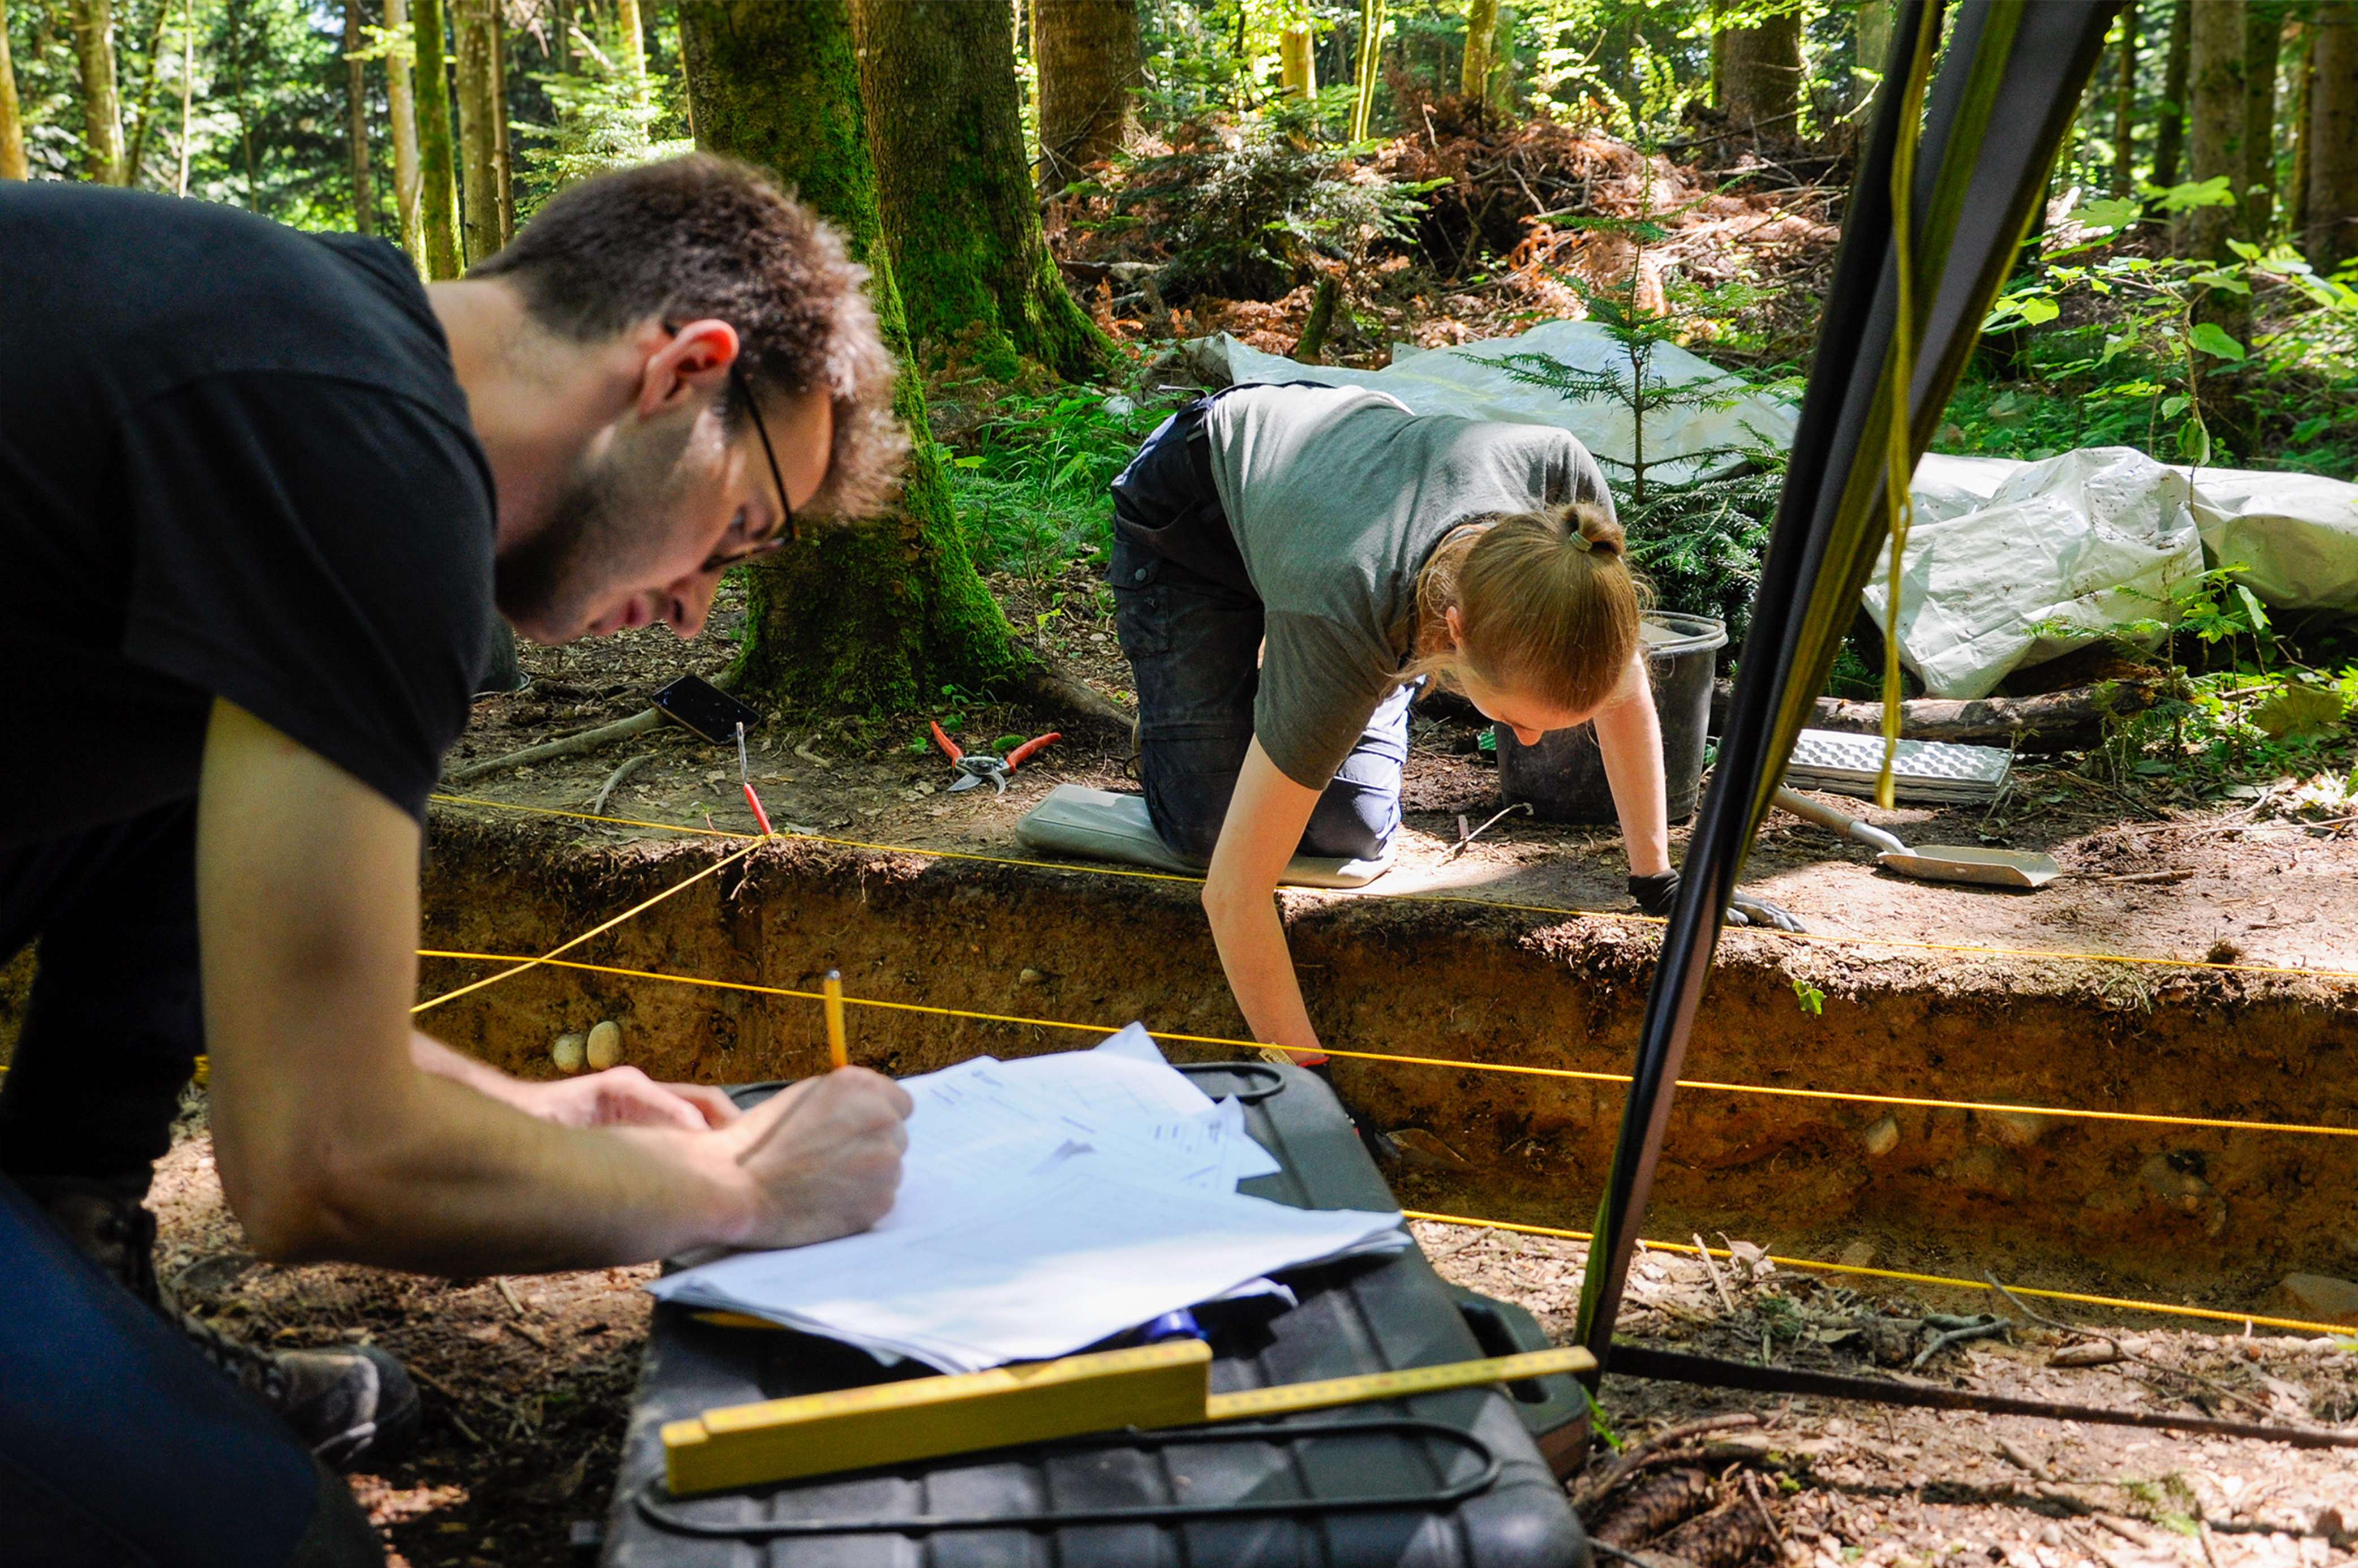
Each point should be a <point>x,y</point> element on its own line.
<point>257,492</point>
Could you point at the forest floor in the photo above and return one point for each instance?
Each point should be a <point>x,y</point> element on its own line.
<point>528,1382</point>
<point>2152,870</point>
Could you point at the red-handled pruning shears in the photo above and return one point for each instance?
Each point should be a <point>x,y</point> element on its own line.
<point>972,770</point>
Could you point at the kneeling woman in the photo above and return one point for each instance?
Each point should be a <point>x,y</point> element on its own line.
<point>1290,563</point>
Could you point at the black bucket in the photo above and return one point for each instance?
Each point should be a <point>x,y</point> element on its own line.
<point>1563,776</point>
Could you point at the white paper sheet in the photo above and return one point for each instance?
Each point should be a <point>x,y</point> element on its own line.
<point>1045,1204</point>
<point>1061,1261</point>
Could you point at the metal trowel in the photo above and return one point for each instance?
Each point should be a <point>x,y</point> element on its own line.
<point>1932,863</point>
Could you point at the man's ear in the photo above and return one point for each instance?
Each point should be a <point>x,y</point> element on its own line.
<point>686,366</point>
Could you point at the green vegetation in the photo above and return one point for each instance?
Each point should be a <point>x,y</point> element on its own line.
<point>1031,486</point>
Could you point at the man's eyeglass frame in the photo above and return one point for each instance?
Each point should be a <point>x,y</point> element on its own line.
<point>787,532</point>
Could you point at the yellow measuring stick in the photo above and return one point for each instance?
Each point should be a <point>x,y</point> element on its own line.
<point>839,1051</point>
<point>1287,1398</point>
<point>928,1418</point>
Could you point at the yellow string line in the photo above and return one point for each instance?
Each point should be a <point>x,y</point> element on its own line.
<point>521,966</point>
<point>1801,937</point>
<point>2150,1117</point>
<point>2125,1303</point>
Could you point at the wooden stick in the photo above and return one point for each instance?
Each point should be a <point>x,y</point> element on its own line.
<point>839,1050</point>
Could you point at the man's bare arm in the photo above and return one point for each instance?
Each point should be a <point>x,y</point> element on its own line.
<point>332,1144</point>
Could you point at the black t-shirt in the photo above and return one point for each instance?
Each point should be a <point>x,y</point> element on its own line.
<point>234,462</point>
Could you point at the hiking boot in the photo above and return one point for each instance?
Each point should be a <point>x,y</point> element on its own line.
<point>348,1403</point>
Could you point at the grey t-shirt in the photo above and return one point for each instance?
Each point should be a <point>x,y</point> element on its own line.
<point>1336,496</point>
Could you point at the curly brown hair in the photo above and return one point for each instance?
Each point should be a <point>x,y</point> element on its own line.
<point>703,236</point>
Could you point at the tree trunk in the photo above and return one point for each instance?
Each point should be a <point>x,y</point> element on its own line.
<point>937,83</point>
<point>187,91</point>
<point>503,155</point>
<point>102,111</point>
<point>1086,52</point>
<point>1758,72</point>
<point>1297,62</point>
<point>2216,122</point>
<point>477,24</point>
<point>356,122</point>
<point>634,47</point>
<point>2169,133</point>
<point>2125,108</point>
<point>438,196</point>
<point>402,109</point>
<point>878,617</point>
<point>2263,40</point>
<point>2331,236</point>
<point>1369,67</point>
<point>12,114</point>
<point>2296,216</point>
<point>1874,45</point>
<point>1481,29</point>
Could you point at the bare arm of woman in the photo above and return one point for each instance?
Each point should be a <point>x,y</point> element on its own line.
<point>1629,739</point>
<point>1263,827</point>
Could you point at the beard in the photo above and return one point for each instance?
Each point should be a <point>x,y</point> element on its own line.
<point>603,530</point>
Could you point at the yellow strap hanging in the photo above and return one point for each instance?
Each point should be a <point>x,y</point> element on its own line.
<point>1900,370</point>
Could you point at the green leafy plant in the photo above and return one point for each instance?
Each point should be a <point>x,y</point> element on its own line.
<point>1813,1000</point>
<point>1031,488</point>
<point>1246,204</point>
<point>603,120</point>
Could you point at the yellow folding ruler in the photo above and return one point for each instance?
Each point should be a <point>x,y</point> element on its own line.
<point>927,1418</point>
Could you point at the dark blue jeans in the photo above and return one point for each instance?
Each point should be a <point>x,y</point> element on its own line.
<point>119,1444</point>
<point>1191,627</point>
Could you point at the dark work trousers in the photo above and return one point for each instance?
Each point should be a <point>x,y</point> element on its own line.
<point>119,1444</point>
<point>1191,624</point>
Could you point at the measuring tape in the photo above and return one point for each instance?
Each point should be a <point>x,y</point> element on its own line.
<point>1286,1398</point>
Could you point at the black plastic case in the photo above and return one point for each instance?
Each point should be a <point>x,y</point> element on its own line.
<point>1447,1480</point>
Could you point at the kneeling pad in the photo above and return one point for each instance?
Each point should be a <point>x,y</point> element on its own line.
<point>1098,825</point>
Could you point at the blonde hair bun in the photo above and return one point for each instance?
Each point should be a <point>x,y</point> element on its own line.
<point>1546,601</point>
<point>1593,525</point>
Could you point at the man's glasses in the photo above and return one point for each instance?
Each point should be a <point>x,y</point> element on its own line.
<point>786,533</point>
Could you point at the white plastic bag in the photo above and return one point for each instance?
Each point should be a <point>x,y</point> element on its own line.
<point>2065,551</point>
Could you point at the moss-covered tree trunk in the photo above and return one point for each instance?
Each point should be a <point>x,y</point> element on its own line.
<point>954,187</point>
<point>438,198</point>
<point>102,109</point>
<point>1086,51</point>
<point>401,108</point>
<point>878,617</point>
<point>476,24</point>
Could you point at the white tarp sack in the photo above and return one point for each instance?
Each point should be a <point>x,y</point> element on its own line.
<point>2062,552</point>
<point>2297,532</point>
<point>1469,382</point>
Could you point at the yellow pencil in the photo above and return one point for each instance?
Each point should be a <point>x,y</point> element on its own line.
<point>836,1050</point>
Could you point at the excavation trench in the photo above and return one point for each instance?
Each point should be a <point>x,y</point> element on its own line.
<point>2208,1216</point>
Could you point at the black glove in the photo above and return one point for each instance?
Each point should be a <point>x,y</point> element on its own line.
<point>1655,895</point>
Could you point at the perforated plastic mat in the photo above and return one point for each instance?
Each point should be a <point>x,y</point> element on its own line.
<point>1922,769</point>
